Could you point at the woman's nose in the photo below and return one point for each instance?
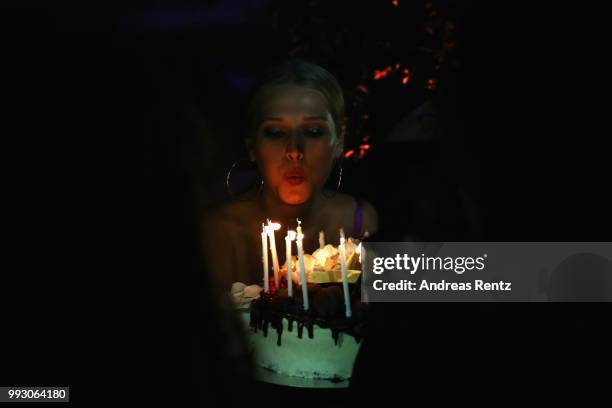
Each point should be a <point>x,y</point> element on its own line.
<point>294,149</point>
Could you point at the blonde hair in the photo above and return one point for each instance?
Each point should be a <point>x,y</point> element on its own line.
<point>301,73</point>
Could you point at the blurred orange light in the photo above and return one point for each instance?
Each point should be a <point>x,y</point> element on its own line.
<point>395,3</point>
<point>349,154</point>
<point>405,80</point>
<point>378,74</point>
<point>364,147</point>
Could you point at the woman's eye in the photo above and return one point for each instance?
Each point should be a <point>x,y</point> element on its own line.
<point>314,132</point>
<point>274,133</point>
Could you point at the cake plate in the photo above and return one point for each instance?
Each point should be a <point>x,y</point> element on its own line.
<point>268,376</point>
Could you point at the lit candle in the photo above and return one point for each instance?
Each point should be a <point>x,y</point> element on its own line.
<point>299,227</point>
<point>271,227</point>
<point>290,237</point>
<point>302,267</point>
<point>345,287</point>
<point>264,257</point>
<point>321,239</point>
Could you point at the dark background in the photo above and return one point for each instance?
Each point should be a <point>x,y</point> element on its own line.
<point>106,245</point>
<point>518,116</point>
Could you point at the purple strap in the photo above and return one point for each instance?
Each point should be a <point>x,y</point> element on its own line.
<point>358,222</point>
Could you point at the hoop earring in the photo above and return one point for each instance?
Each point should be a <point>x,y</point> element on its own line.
<point>337,185</point>
<point>229,175</point>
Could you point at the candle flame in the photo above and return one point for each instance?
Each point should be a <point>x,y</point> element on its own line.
<point>291,235</point>
<point>273,226</point>
<point>341,235</point>
<point>358,250</point>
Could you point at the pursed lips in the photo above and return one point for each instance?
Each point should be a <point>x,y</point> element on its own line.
<point>295,177</point>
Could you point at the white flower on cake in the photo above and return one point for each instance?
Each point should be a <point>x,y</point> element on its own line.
<point>328,252</point>
<point>323,266</point>
<point>243,295</point>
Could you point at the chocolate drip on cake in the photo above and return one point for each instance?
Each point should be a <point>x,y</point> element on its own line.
<point>310,327</point>
<point>279,331</point>
<point>290,321</point>
<point>327,312</point>
<point>335,335</point>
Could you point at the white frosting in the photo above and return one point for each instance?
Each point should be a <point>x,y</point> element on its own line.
<point>318,358</point>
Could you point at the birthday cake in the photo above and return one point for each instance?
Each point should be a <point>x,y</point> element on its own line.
<point>317,339</point>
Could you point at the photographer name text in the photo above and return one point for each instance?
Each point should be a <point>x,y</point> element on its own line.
<point>424,285</point>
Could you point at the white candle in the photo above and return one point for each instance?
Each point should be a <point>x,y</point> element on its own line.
<point>362,253</point>
<point>264,257</point>
<point>321,239</point>
<point>290,237</point>
<point>299,227</point>
<point>345,287</point>
<point>272,226</point>
<point>362,261</point>
<point>302,267</point>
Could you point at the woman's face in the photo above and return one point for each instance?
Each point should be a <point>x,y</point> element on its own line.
<point>295,142</point>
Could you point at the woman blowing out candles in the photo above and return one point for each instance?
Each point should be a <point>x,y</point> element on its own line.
<point>295,138</point>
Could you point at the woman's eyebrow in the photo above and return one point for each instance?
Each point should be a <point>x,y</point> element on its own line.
<point>280,119</point>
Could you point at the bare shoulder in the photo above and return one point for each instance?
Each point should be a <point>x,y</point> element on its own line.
<point>227,217</point>
<point>342,201</point>
<point>370,217</point>
<point>344,206</point>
